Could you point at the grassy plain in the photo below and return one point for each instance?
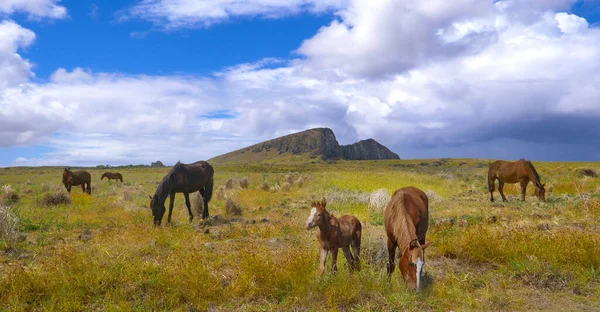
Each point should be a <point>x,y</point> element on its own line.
<point>101,252</point>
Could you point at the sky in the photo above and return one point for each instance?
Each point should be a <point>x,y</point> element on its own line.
<point>99,82</point>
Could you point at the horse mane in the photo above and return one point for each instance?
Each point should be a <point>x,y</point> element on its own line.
<point>402,225</point>
<point>537,176</point>
<point>165,184</point>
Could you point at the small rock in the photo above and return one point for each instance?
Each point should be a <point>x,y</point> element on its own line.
<point>543,227</point>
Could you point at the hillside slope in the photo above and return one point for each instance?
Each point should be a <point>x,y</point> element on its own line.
<point>312,143</point>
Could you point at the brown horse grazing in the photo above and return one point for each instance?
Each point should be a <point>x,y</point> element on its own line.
<point>112,176</point>
<point>406,220</point>
<point>186,179</point>
<point>335,233</point>
<point>82,178</point>
<point>521,171</point>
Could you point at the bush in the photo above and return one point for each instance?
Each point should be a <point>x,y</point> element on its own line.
<point>9,196</point>
<point>8,227</point>
<point>55,198</point>
<point>232,208</point>
<point>378,200</point>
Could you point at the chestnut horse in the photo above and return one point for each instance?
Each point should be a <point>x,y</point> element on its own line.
<point>82,178</point>
<point>112,176</point>
<point>335,233</point>
<point>521,171</point>
<point>406,220</point>
<point>186,179</point>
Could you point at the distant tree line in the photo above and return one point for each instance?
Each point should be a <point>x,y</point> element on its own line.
<point>156,164</point>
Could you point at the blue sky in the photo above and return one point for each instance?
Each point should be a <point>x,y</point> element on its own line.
<point>127,82</point>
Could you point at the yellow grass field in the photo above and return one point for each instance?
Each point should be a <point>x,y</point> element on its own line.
<point>101,252</point>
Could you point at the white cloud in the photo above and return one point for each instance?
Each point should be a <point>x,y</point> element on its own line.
<point>414,77</point>
<point>34,8</point>
<point>194,13</point>
<point>13,68</point>
<point>570,23</point>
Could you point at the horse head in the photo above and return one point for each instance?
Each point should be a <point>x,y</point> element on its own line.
<point>318,214</point>
<point>540,192</point>
<point>411,263</point>
<point>67,178</point>
<point>158,209</point>
<point>104,175</point>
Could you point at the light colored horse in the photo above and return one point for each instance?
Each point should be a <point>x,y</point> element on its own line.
<point>406,220</point>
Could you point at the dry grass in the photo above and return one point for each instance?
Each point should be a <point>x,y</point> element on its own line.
<point>54,198</point>
<point>91,254</point>
<point>9,233</point>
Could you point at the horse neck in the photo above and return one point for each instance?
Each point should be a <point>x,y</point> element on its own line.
<point>325,226</point>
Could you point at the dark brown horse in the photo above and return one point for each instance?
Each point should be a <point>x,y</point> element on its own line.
<point>335,233</point>
<point>186,179</point>
<point>112,176</point>
<point>406,220</point>
<point>82,178</point>
<point>521,171</point>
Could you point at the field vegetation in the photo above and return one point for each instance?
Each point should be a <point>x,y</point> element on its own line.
<point>82,253</point>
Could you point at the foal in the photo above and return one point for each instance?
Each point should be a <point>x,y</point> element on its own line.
<point>335,233</point>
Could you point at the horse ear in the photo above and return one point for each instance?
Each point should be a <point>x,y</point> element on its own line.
<point>414,244</point>
<point>324,202</point>
<point>544,184</point>
<point>150,196</point>
<point>426,245</point>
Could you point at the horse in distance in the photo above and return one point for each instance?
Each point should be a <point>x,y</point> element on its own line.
<point>406,220</point>
<point>186,179</point>
<point>521,171</point>
<point>334,233</point>
<point>75,178</point>
<point>112,176</point>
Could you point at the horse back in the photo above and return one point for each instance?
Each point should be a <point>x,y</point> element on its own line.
<point>508,171</point>
<point>406,202</point>
<point>81,177</point>
<point>350,229</point>
<point>195,176</point>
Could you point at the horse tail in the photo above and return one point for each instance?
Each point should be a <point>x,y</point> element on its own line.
<point>209,185</point>
<point>489,178</point>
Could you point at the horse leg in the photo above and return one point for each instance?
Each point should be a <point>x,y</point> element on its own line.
<point>171,200</point>
<point>334,254</point>
<point>492,188</point>
<point>89,188</point>
<point>356,252</point>
<point>322,261</point>
<point>391,246</point>
<point>205,202</point>
<point>83,187</point>
<point>349,258</point>
<point>501,190</point>
<point>523,183</point>
<point>189,206</point>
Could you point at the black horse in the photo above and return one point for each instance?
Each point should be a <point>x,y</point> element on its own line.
<point>82,178</point>
<point>186,179</point>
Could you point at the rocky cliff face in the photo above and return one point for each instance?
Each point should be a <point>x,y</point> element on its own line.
<point>318,142</point>
<point>367,150</point>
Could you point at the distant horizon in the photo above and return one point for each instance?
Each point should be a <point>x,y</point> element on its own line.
<point>124,82</point>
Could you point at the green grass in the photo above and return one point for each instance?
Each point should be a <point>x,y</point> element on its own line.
<point>494,256</point>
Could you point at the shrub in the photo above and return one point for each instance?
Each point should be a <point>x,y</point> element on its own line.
<point>232,208</point>
<point>9,196</point>
<point>378,200</point>
<point>8,227</point>
<point>55,198</point>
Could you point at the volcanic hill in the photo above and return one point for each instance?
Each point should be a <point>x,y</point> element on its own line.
<point>312,143</point>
